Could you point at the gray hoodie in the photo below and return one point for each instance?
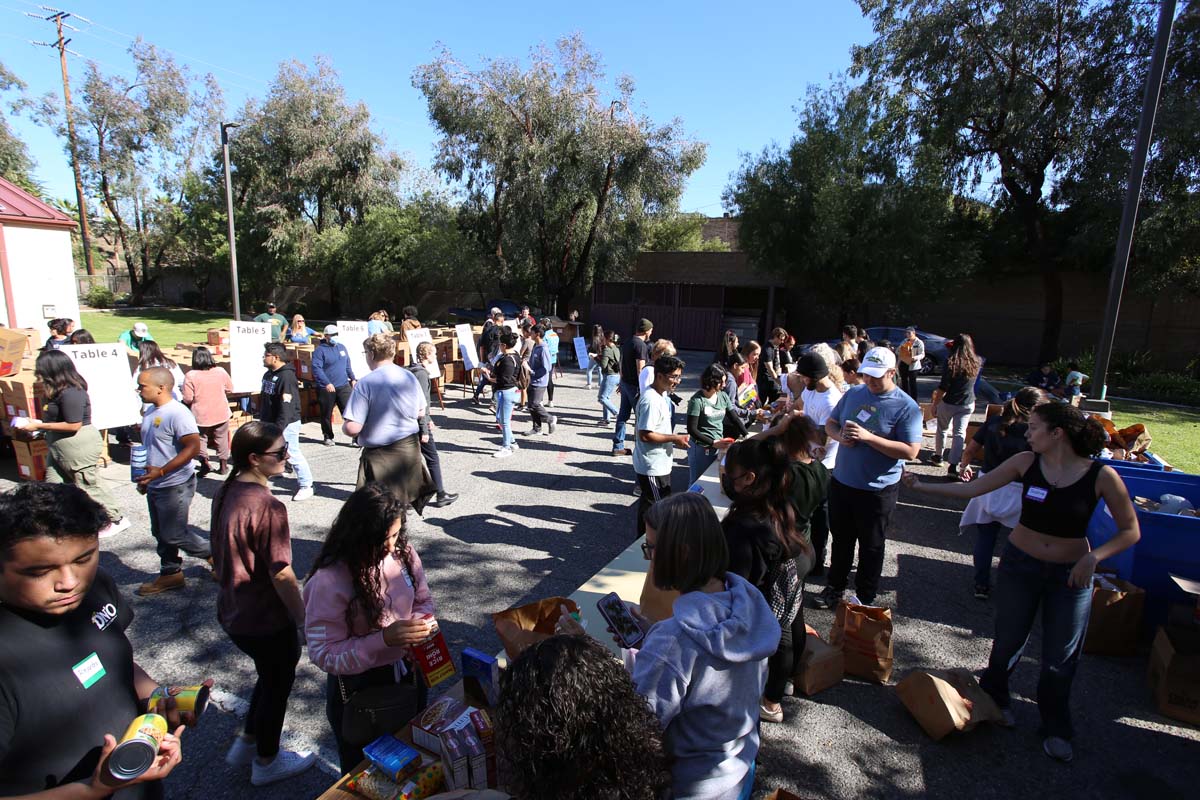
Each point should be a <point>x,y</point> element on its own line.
<point>703,672</point>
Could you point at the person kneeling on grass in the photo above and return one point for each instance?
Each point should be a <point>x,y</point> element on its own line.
<point>703,669</point>
<point>69,684</point>
<point>1048,562</point>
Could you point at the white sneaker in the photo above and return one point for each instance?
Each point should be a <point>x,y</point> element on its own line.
<point>305,493</point>
<point>515,446</point>
<point>241,752</point>
<point>503,452</point>
<point>285,765</point>
<point>113,528</point>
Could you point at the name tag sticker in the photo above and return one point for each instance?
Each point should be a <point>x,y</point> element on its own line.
<point>1036,493</point>
<point>864,415</point>
<point>89,670</point>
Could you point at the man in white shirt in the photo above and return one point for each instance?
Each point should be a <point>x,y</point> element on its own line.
<point>818,399</point>
<point>655,441</point>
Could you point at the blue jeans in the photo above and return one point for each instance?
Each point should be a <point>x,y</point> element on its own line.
<point>1023,584</point>
<point>629,396</point>
<point>608,383</point>
<point>593,367</point>
<point>506,400</point>
<point>985,544</point>
<point>291,435</point>
<point>700,458</point>
<point>169,525</point>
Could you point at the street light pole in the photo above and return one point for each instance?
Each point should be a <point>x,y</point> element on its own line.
<point>233,272</point>
<point>1133,192</point>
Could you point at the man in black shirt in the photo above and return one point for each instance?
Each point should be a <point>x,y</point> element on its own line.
<point>279,404</point>
<point>634,356</point>
<point>489,347</point>
<point>68,681</point>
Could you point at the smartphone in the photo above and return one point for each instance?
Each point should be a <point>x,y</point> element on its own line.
<point>619,618</point>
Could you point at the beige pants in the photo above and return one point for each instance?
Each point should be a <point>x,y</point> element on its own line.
<point>73,458</point>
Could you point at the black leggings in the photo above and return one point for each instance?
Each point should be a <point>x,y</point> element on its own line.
<point>348,754</point>
<point>275,657</point>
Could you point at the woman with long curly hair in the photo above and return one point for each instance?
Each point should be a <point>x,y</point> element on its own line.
<point>367,603</point>
<point>954,400</point>
<point>769,546</point>
<point>1048,563</point>
<point>258,596</point>
<point>570,725</point>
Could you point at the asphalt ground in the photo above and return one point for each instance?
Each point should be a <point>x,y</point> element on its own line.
<point>543,522</point>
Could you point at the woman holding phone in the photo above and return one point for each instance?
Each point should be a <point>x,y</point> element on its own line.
<point>703,669</point>
<point>1048,563</point>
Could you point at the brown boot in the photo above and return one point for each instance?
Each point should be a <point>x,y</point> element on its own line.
<point>163,583</point>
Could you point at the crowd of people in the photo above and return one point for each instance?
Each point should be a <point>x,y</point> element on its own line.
<point>813,449</point>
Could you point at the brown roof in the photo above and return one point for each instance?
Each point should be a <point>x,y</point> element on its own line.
<point>702,268</point>
<point>19,207</point>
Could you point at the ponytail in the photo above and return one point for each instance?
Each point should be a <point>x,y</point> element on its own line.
<point>1020,406</point>
<point>1086,435</point>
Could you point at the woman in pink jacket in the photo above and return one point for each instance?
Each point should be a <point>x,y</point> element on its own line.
<point>366,604</point>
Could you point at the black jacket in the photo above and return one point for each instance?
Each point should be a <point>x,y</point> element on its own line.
<point>280,400</point>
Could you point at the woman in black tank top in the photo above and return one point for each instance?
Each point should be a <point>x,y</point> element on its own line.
<point>1048,563</point>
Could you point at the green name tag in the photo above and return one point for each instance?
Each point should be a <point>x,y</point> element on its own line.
<point>89,670</point>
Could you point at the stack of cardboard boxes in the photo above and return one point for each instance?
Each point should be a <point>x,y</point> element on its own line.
<point>23,397</point>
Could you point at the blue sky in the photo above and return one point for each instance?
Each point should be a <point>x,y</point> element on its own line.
<point>732,72</point>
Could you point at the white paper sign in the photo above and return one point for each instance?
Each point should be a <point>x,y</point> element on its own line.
<point>351,335</point>
<point>513,325</point>
<point>466,345</point>
<point>111,387</point>
<point>581,352</point>
<point>415,336</point>
<point>246,340</point>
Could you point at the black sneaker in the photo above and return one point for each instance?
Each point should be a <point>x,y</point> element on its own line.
<point>828,598</point>
<point>952,471</point>
<point>442,500</point>
<point>531,432</point>
<point>983,592</point>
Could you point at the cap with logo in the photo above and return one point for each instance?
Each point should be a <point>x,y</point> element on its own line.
<point>140,328</point>
<point>331,330</point>
<point>877,362</point>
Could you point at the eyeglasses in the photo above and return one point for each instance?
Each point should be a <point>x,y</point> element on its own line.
<point>647,550</point>
<point>279,454</point>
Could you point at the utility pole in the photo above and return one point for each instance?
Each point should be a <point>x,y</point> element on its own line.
<point>85,234</point>
<point>1133,192</point>
<point>233,273</point>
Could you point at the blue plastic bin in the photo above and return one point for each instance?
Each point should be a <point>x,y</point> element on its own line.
<point>1169,544</point>
<point>1153,463</point>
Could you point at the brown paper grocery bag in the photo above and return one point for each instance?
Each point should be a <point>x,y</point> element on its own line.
<point>528,624</point>
<point>821,665</point>
<point>656,604</point>
<point>864,635</point>
<point>1116,622</point>
<point>944,701</point>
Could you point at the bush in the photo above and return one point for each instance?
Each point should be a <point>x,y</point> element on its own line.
<point>1086,361</point>
<point>1163,387</point>
<point>100,297</point>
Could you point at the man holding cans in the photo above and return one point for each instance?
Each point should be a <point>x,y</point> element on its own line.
<point>71,686</point>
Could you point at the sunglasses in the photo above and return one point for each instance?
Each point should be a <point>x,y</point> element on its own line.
<point>279,454</point>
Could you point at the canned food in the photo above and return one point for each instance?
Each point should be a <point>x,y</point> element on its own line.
<point>187,698</point>
<point>138,748</point>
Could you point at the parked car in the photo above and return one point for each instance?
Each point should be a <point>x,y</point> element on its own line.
<point>935,346</point>
<point>477,315</point>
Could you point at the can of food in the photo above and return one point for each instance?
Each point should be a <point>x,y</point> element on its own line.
<point>187,698</point>
<point>138,748</point>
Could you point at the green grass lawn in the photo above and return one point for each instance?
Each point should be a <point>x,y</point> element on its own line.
<point>1176,431</point>
<point>168,326</point>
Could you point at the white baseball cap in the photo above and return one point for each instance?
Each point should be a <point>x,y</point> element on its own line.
<point>877,362</point>
<point>140,328</point>
<point>331,330</point>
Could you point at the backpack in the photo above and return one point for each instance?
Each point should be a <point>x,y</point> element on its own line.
<point>524,374</point>
<point>784,583</point>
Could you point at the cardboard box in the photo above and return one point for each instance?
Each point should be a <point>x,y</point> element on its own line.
<point>1116,619</point>
<point>31,459</point>
<point>481,722</point>
<point>393,757</point>
<point>481,677</point>
<point>821,665</point>
<point>1174,672</point>
<point>23,392</point>
<point>433,660</point>
<point>441,715</point>
<point>944,701</point>
<point>13,346</point>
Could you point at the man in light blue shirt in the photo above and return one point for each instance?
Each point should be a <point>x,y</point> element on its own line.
<point>552,345</point>
<point>655,441</point>
<point>877,427</point>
